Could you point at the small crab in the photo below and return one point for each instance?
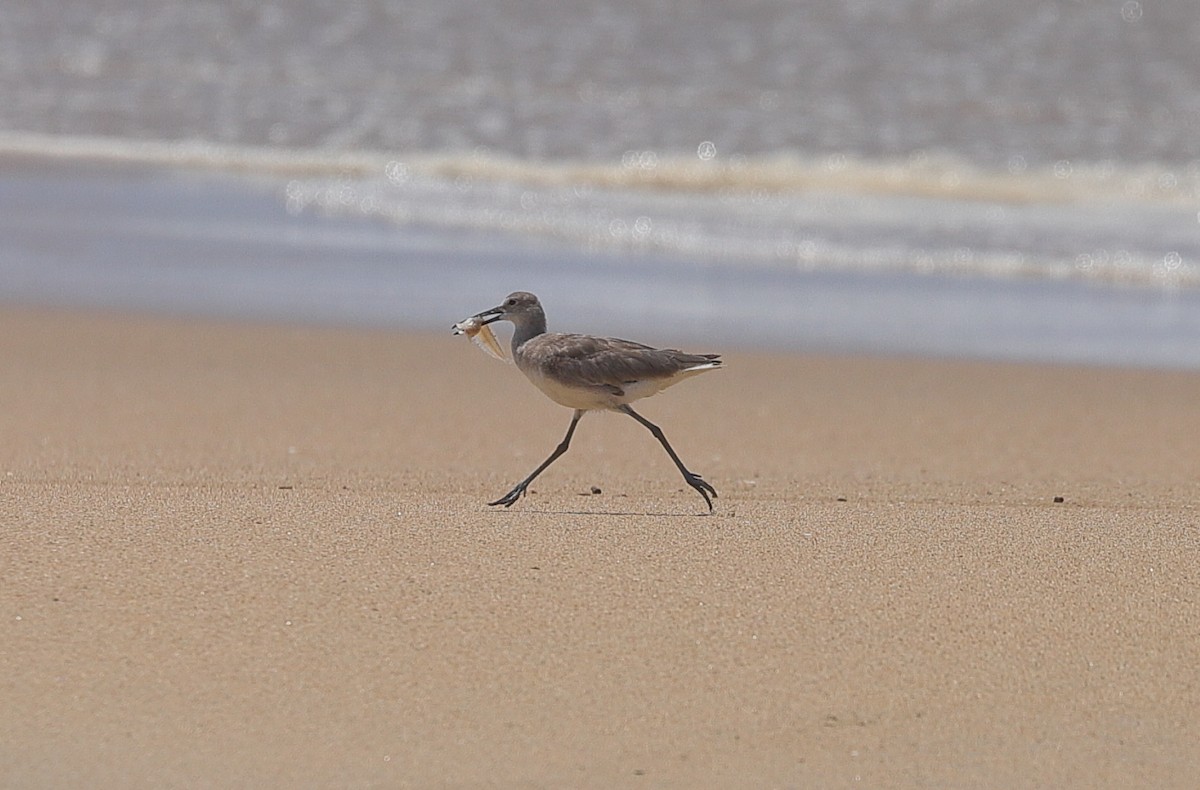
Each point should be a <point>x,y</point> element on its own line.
<point>481,335</point>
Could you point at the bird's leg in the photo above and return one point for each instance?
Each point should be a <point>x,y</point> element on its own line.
<point>691,478</point>
<point>519,489</point>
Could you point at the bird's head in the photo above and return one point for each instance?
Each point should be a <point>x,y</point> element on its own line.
<point>520,307</point>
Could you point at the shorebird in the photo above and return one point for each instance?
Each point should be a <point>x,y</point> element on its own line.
<point>588,373</point>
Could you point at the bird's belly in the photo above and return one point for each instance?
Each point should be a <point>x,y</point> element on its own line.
<point>589,398</point>
<point>586,398</point>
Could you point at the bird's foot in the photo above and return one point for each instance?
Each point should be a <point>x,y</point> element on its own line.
<point>701,485</point>
<point>512,496</point>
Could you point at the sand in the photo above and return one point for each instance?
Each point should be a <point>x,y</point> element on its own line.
<point>259,556</point>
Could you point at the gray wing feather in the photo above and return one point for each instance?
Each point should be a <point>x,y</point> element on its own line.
<point>611,362</point>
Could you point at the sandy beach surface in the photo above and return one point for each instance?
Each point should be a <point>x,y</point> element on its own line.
<point>259,556</point>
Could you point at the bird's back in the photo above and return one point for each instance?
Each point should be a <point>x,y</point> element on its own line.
<point>589,372</point>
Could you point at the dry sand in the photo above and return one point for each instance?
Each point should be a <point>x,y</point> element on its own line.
<point>240,556</point>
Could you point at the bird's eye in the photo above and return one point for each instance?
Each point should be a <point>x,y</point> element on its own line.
<point>510,302</point>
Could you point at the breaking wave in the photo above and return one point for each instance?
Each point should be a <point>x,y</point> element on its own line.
<point>1102,222</point>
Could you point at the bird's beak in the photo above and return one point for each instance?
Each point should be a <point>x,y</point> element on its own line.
<point>488,316</point>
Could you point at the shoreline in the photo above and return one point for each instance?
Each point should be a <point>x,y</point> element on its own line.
<point>247,554</point>
<point>227,247</point>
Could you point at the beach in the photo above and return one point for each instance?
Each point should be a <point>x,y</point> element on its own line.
<point>949,254</point>
<point>249,554</point>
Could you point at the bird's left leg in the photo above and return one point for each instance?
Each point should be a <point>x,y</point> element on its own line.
<point>691,478</point>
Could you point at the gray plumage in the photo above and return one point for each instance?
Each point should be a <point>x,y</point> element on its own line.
<point>585,373</point>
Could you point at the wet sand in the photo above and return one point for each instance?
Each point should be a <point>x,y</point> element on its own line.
<point>258,556</point>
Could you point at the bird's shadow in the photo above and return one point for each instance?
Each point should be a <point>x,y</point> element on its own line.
<point>551,512</point>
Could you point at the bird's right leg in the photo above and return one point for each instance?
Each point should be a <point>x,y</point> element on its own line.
<point>519,489</point>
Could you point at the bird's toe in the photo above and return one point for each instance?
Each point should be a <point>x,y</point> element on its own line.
<point>702,487</point>
<point>508,499</point>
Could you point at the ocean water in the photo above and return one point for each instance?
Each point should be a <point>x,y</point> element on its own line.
<point>1017,179</point>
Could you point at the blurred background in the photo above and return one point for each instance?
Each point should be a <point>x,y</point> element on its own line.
<point>1015,180</point>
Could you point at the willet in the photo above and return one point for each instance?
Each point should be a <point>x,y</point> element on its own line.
<point>586,373</point>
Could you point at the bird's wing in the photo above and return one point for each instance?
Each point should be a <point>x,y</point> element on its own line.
<point>610,362</point>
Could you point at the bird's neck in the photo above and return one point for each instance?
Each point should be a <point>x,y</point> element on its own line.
<point>527,330</point>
